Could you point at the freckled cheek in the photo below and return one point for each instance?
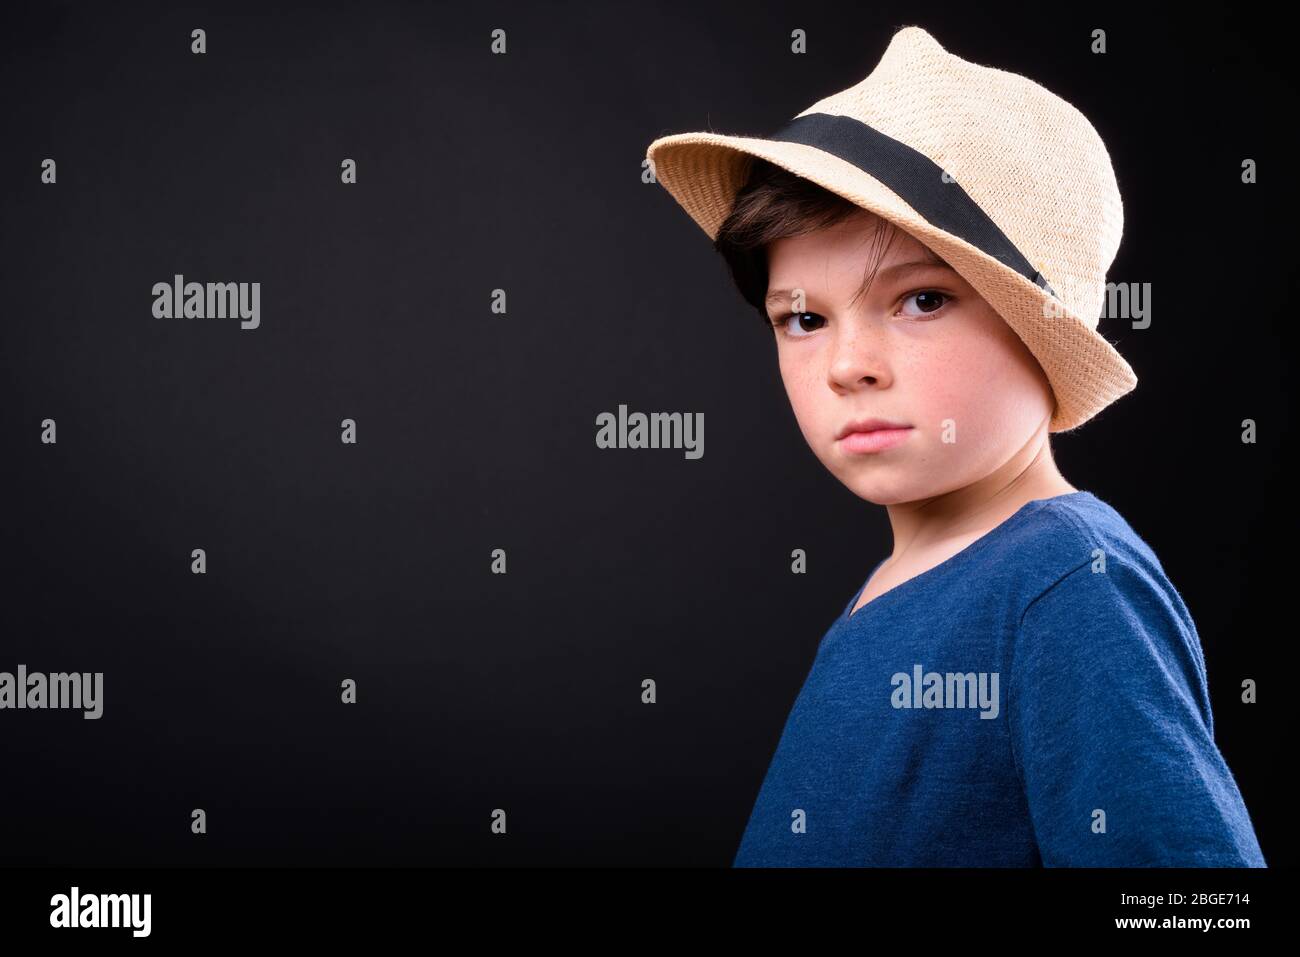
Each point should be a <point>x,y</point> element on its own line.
<point>963,380</point>
<point>947,382</point>
<point>795,373</point>
<point>806,388</point>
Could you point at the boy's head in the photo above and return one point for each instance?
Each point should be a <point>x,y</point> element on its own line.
<point>870,323</point>
<point>1004,180</point>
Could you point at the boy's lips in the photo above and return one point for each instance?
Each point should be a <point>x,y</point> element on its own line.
<point>872,435</point>
<point>869,425</point>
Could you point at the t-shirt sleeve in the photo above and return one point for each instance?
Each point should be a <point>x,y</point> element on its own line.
<point>1112,732</point>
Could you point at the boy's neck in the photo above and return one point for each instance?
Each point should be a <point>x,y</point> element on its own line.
<point>966,513</point>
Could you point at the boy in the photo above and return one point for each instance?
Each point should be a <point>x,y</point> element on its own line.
<point>1019,683</point>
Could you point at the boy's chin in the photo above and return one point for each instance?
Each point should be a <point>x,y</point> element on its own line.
<point>878,490</point>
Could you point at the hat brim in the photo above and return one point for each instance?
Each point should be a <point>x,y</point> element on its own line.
<point>704,171</point>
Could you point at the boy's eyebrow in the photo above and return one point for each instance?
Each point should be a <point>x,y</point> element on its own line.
<point>777,296</point>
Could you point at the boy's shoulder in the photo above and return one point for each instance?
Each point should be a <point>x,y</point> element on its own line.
<point>1084,567</point>
<point>1050,539</point>
<point>1074,525</point>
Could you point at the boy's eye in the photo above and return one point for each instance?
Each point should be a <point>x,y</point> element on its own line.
<point>784,323</point>
<point>929,295</point>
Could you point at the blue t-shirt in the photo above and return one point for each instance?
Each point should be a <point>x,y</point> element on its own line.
<point>1037,699</point>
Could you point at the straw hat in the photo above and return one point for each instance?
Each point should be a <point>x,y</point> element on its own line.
<point>1004,180</point>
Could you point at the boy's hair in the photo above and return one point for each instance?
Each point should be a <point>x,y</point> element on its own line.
<point>774,204</point>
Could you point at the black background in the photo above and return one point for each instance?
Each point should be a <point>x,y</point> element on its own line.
<point>476,431</point>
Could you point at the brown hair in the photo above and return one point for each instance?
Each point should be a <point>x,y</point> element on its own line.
<point>774,204</point>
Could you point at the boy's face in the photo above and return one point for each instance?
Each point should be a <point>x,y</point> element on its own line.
<point>920,348</point>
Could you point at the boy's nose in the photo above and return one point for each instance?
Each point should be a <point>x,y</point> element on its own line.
<point>857,358</point>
